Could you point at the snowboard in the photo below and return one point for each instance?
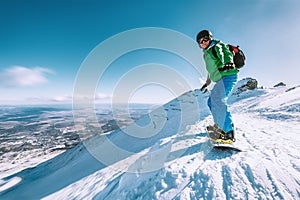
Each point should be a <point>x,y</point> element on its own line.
<point>225,147</point>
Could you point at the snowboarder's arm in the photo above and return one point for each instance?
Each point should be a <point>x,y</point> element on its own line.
<point>204,87</point>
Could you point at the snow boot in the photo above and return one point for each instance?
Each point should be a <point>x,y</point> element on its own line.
<point>230,135</point>
<point>218,135</point>
<point>216,129</point>
<point>215,133</point>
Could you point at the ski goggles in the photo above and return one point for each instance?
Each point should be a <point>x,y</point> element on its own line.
<point>202,40</point>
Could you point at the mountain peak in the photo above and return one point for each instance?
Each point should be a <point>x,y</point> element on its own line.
<point>280,84</point>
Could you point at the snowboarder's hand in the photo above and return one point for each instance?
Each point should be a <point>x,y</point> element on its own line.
<point>204,88</point>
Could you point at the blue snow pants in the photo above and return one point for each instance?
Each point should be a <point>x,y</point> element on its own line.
<point>217,102</point>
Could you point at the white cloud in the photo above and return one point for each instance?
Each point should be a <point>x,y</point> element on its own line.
<point>62,99</point>
<point>102,96</point>
<point>19,76</point>
<point>99,98</point>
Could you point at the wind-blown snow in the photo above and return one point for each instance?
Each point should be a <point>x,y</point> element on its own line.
<point>179,162</point>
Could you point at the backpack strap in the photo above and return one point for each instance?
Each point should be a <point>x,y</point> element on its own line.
<point>227,66</point>
<point>214,52</point>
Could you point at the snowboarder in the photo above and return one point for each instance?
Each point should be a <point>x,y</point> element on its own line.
<point>222,71</point>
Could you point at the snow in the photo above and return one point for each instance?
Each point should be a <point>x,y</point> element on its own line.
<point>178,162</point>
<point>4,185</point>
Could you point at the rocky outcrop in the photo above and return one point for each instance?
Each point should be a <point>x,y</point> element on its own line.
<point>280,84</point>
<point>245,85</point>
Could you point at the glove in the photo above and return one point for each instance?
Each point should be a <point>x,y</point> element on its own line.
<point>204,88</point>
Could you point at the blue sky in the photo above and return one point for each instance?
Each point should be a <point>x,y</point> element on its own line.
<point>44,43</point>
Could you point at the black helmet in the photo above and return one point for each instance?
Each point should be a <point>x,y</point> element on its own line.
<point>204,33</point>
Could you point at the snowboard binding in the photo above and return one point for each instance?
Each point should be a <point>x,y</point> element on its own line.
<point>218,135</point>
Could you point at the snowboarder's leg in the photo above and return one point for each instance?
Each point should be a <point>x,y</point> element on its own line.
<point>218,102</point>
<point>229,83</point>
<point>209,103</point>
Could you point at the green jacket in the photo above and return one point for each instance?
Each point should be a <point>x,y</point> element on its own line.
<point>212,63</point>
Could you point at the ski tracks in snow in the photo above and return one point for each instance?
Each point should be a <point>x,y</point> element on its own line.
<point>268,168</point>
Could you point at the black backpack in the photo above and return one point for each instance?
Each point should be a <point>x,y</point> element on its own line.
<point>239,57</point>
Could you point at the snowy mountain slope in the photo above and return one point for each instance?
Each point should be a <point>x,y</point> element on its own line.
<point>178,162</point>
<point>276,103</point>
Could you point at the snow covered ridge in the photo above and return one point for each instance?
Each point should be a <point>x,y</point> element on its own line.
<point>279,102</point>
<point>186,167</point>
